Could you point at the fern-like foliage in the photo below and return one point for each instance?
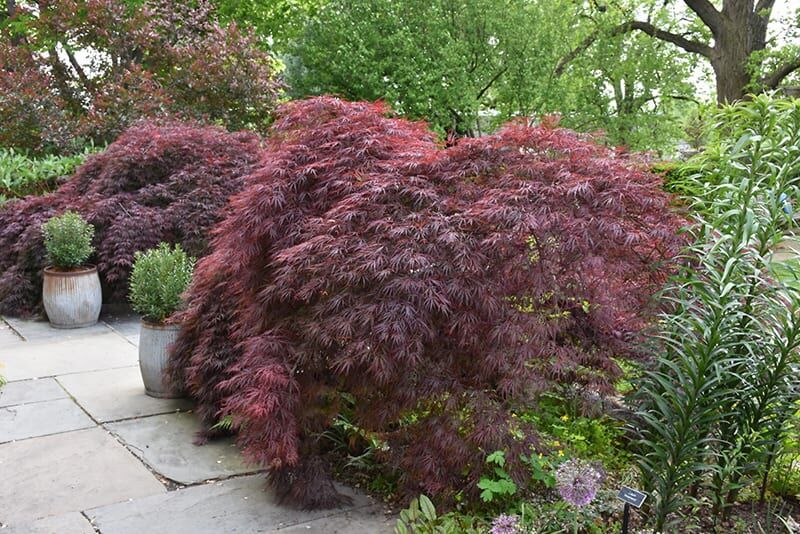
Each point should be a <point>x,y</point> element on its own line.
<point>155,183</point>
<point>438,288</point>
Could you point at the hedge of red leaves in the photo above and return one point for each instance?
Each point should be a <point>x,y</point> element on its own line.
<point>155,183</point>
<point>441,289</point>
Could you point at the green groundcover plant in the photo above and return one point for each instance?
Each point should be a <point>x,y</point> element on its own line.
<point>159,278</point>
<point>68,240</point>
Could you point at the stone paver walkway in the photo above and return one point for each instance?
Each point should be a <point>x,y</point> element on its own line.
<point>84,450</point>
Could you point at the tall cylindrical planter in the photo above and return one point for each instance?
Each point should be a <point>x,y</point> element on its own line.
<point>72,299</point>
<point>154,342</point>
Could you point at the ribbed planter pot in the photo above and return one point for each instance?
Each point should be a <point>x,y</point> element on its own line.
<point>154,342</point>
<point>72,299</point>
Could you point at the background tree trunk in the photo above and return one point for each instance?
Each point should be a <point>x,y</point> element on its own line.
<point>729,61</point>
<point>741,31</point>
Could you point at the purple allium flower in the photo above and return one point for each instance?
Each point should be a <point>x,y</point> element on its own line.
<point>578,481</point>
<point>505,524</point>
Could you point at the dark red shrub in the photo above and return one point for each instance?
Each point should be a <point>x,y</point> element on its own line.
<point>453,285</point>
<point>155,183</point>
<point>78,70</point>
<point>31,114</point>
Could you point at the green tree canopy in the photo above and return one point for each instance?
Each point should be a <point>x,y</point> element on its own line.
<point>466,65</point>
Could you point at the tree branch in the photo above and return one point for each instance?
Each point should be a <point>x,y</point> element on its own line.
<point>707,13</point>
<point>772,81</point>
<point>87,84</point>
<point>578,50</point>
<point>687,44</point>
<point>678,40</point>
<point>488,85</point>
<point>764,4</point>
<point>62,79</point>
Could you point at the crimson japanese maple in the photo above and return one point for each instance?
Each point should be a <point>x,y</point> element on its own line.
<point>155,183</point>
<point>440,289</point>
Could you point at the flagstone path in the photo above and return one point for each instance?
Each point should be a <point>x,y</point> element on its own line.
<point>83,450</point>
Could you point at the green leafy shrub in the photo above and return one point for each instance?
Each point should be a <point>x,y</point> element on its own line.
<point>564,428</point>
<point>498,485</point>
<point>714,409</point>
<point>22,175</point>
<point>680,177</point>
<point>421,517</point>
<point>68,240</point>
<point>785,473</point>
<point>159,278</point>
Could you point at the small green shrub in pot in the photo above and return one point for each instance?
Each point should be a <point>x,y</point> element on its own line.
<point>159,278</point>
<point>71,292</point>
<point>68,240</point>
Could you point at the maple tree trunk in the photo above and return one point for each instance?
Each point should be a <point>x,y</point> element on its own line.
<point>743,32</point>
<point>732,78</point>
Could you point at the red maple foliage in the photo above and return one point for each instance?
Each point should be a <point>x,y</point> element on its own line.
<point>155,183</point>
<point>441,289</point>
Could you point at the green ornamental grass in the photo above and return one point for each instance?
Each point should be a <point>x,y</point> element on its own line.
<point>159,278</point>
<point>68,240</point>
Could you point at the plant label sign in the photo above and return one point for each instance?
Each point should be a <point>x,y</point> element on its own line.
<point>631,496</point>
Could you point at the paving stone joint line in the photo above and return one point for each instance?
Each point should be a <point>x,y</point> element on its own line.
<point>120,334</point>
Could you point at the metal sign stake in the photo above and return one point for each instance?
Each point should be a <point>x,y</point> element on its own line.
<point>631,497</point>
<point>626,517</point>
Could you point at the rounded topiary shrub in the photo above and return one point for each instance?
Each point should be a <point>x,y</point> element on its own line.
<point>436,291</point>
<point>155,183</point>
<point>68,240</point>
<point>159,278</point>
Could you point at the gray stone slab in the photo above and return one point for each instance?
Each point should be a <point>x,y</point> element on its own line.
<point>40,419</point>
<point>63,473</point>
<point>75,355</point>
<point>123,321</point>
<point>72,523</point>
<point>115,394</point>
<point>35,330</point>
<point>361,521</point>
<point>234,506</point>
<point>164,442</point>
<point>28,391</point>
<point>7,336</point>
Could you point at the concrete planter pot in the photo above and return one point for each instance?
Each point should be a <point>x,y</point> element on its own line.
<point>154,342</point>
<point>72,299</point>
